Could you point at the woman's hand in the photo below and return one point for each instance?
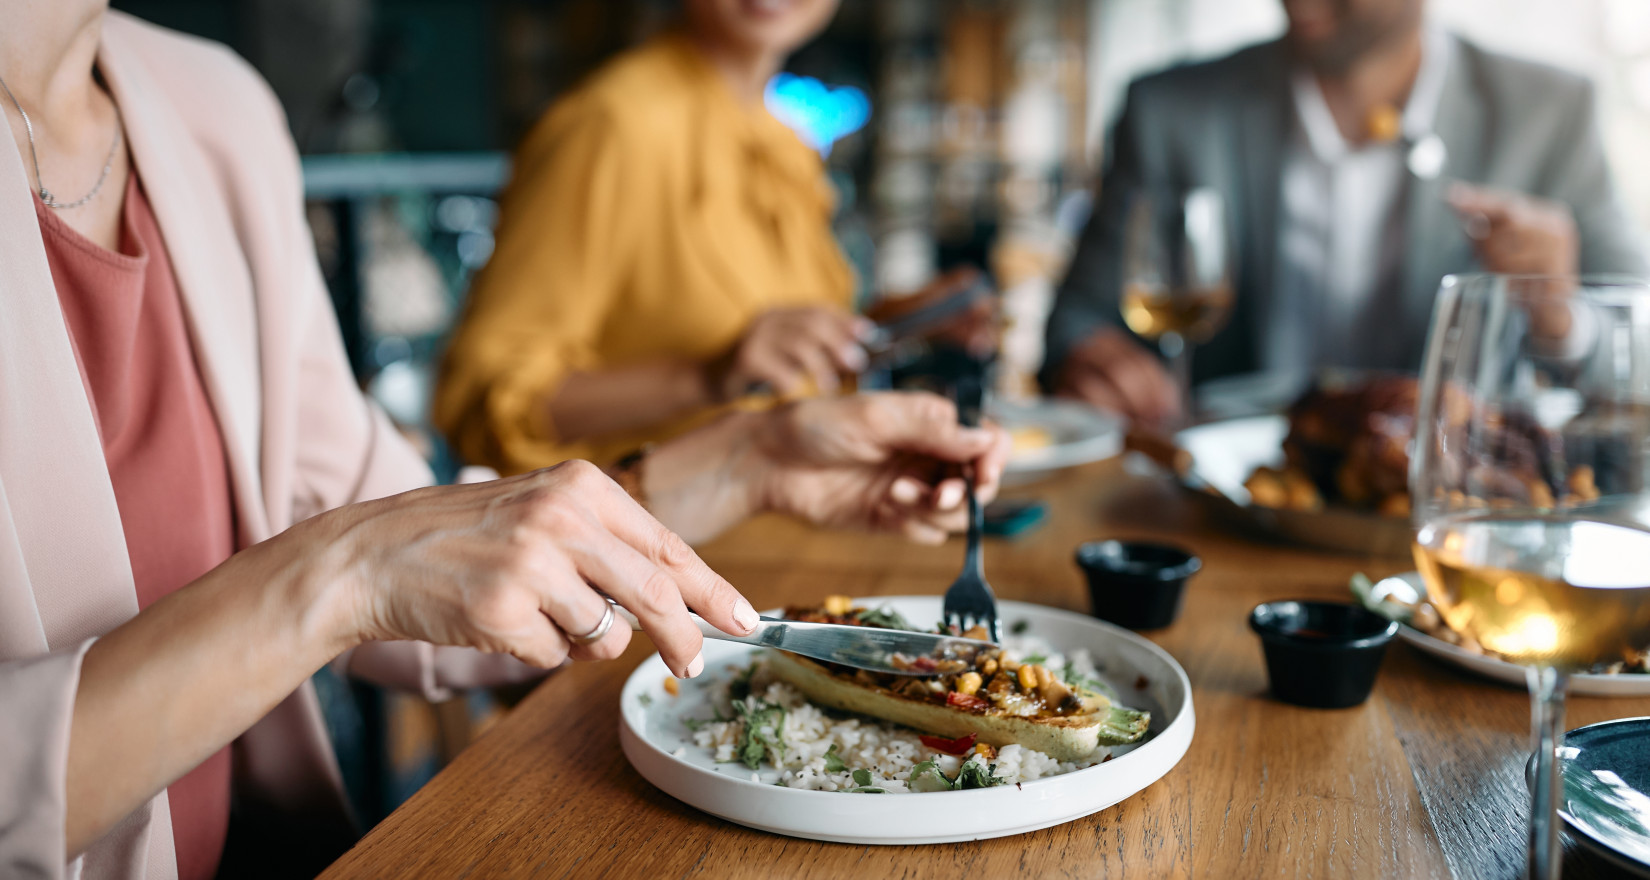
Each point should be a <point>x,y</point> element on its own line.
<point>514,565</point>
<point>784,349</point>
<point>889,462</point>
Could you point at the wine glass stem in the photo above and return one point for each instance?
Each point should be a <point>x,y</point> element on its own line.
<point>1177,350</point>
<point>1547,790</point>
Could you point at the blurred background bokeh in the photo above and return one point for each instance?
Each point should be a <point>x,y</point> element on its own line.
<point>954,130</point>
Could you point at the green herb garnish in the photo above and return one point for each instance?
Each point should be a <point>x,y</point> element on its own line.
<point>833,761</point>
<point>927,776</point>
<point>884,618</point>
<point>862,784</point>
<point>740,687</point>
<point>763,733</point>
<point>646,700</point>
<point>1069,676</point>
<point>1019,627</point>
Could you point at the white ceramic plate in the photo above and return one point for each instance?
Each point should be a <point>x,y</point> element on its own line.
<point>1632,684</point>
<point>651,731</point>
<point>1078,434</point>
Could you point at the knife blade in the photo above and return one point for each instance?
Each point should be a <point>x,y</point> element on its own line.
<point>861,647</point>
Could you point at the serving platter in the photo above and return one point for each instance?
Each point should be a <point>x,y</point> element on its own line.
<point>1224,453</point>
<point>1628,684</point>
<point>1078,434</point>
<point>661,748</point>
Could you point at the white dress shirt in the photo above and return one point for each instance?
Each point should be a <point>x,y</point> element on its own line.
<point>1341,237</point>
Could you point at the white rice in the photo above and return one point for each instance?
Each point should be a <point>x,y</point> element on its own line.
<point>886,750</point>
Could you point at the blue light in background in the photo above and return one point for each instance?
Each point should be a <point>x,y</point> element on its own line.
<point>820,114</point>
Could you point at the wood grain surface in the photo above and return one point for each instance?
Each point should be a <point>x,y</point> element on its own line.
<point>1423,780</point>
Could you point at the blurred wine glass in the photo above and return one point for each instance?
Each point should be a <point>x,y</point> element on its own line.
<point>1529,488</point>
<point>1177,288</point>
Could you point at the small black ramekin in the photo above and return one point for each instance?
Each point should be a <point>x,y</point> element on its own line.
<point>1321,654</point>
<point>1136,584</point>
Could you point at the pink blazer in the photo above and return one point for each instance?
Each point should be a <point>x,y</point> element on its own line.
<point>211,144</point>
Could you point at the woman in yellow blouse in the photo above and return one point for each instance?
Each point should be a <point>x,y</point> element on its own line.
<point>663,248</point>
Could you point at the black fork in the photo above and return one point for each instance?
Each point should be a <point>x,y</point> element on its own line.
<point>970,601</point>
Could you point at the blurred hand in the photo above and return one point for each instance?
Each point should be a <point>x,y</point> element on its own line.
<point>888,461</point>
<point>1111,371</point>
<point>513,566</point>
<point>785,349</point>
<point>1517,234</point>
<point>976,329</point>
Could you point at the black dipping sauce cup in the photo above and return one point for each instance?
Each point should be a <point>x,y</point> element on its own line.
<point>1321,654</point>
<point>1135,584</point>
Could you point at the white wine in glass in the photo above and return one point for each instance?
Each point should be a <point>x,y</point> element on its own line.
<point>1195,314</point>
<point>1530,486</point>
<point>1177,288</point>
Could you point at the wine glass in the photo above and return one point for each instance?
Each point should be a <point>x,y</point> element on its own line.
<point>1530,487</point>
<point>1177,288</point>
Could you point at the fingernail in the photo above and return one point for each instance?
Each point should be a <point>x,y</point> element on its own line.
<point>744,615</point>
<point>905,491</point>
<point>951,495</point>
<point>696,667</point>
<point>973,435</point>
<point>854,357</point>
<point>863,326</point>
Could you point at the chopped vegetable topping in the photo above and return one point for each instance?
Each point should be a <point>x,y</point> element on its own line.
<point>959,746</point>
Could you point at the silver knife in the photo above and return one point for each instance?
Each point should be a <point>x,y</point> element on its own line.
<point>862,647</point>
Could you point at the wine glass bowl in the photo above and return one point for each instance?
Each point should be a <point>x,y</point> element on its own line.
<point>1530,486</point>
<point>1177,289</point>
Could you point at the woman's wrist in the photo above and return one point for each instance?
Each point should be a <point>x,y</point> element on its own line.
<point>313,570</point>
<point>708,480</point>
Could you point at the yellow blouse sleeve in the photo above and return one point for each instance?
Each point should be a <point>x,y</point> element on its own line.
<point>535,311</point>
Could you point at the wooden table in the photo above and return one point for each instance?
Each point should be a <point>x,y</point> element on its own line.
<point>1422,780</point>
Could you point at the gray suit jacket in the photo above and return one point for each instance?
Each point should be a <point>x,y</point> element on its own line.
<point>1225,123</point>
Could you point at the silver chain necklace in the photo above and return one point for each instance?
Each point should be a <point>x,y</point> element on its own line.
<point>46,196</point>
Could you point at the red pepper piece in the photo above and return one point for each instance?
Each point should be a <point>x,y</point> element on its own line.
<point>965,701</point>
<point>958,746</point>
<point>924,664</point>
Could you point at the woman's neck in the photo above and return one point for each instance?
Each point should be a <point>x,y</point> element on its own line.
<point>746,72</point>
<point>47,49</point>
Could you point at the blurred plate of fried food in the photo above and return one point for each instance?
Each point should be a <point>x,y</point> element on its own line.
<point>1331,472</point>
<point>1052,434</point>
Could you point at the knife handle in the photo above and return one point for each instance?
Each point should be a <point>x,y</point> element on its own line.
<point>706,628</point>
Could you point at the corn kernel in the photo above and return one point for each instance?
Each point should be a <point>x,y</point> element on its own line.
<point>672,686</point>
<point>1028,677</point>
<point>838,604</point>
<point>968,683</point>
<point>989,666</point>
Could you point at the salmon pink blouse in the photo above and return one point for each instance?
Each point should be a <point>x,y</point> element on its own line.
<point>162,445</point>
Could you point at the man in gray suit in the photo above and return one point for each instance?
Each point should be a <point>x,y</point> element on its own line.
<point>1361,158</point>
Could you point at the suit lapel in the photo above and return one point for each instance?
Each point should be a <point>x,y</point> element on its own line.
<point>212,276</point>
<point>1434,243</point>
<point>1263,113</point>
